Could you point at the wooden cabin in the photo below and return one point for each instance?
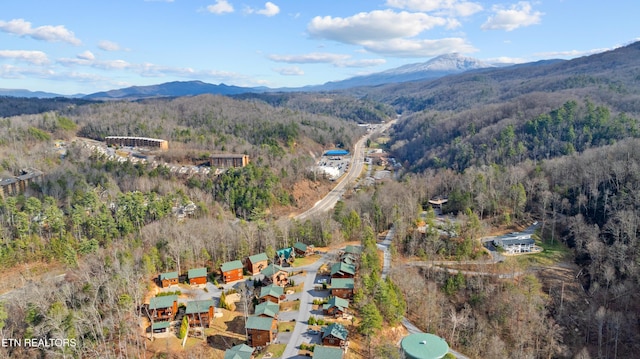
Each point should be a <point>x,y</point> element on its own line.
<point>231,271</point>
<point>197,276</point>
<point>261,331</point>
<point>168,279</point>
<point>256,263</point>
<point>200,312</point>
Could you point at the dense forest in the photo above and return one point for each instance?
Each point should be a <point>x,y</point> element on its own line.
<point>561,148</point>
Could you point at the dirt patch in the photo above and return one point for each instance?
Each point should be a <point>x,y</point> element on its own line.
<point>29,272</point>
<point>305,193</point>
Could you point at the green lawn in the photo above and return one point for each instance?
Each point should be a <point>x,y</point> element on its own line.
<point>283,326</point>
<point>551,254</point>
<point>303,261</point>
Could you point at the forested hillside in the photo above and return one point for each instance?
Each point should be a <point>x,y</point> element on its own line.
<point>556,143</point>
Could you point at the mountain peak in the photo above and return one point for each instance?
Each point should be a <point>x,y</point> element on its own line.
<point>449,63</point>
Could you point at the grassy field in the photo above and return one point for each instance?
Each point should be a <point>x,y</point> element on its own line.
<point>551,254</point>
<point>286,326</point>
<point>303,261</point>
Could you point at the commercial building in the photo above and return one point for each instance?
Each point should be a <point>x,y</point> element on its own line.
<point>137,142</point>
<point>227,160</point>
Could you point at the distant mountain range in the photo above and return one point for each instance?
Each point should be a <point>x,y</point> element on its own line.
<point>435,68</point>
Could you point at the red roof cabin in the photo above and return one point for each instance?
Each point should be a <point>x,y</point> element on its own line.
<point>231,271</point>
<point>197,276</point>
<point>168,279</point>
<point>256,263</point>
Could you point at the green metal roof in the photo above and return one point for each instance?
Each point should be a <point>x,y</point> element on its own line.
<point>231,266</point>
<point>241,351</point>
<point>272,290</point>
<point>424,346</point>
<point>342,267</point>
<point>300,246</point>
<point>197,272</point>
<point>161,302</point>
<point>322,352</point>
<point>199,306</point>
<point>259,323</point>
<point>160,325</point>
<point>271,269</point>
<point>353,249</point>
<point>337,330</point>
<point>267,308</point>
<point>338,302</point>
<point>169,275</point>
<point>258,258</point>
<point>342,283</point>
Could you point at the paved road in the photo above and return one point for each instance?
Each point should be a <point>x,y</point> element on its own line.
<point>299,333</point>
<point>355,168</point>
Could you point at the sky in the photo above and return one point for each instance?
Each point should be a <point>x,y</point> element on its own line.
<point>85,46</point>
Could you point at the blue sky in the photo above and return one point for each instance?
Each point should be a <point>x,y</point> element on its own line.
<point>82,46</point>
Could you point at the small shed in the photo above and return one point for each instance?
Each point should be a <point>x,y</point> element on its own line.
<point>160,327</point>
<point>197,276</point>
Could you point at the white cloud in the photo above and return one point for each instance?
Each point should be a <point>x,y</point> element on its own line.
<point>270,9</point>
<point>289,71</point>
<point>450,7</point>
<point>419,48</point>
<point>33,57</point>
<point>87,55</point>
<point>220,7</point>
<point>505,60</point>
<point>337,60</point>
<point>362,63</point>
<point>517,15</point>
<point>107,45</point>
<point>377,25</point>
<point>312,58</point>
<point>48,33</point>
<point>570,53</point>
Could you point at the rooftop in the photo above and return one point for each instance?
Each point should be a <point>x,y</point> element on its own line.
<point>162,302</point>
<point>241,351</point>
<point>342,283</point>
<point>322,352</point>
<point>197,272</point>
<point>337,330</point>
<point>199,306</point>
<point>258,258</point>
<point>337,302</point>
<point>272,290</point>
<point>168,275</point>
<point>259,323</point>
<point>225,267</point>
<point>160,325</point>
<point>271,269</point>
<point>342,267</point>
<point>336,152</point>
<point>300,246</point>
<point>267,308</point>
<point>424,346</point>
